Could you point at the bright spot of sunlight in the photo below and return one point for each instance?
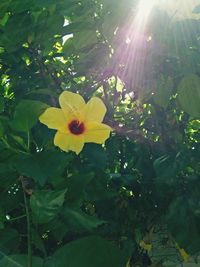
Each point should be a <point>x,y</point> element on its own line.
<point>178,9</point>
<point>145,7</point>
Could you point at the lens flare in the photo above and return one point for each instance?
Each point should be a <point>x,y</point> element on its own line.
<point>145,7</point>
<point>132,53</point>
<point>133,58</point>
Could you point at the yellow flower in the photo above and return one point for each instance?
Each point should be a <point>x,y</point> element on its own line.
<point>145,246</point>
<point>76,122</point>
<point>183,253</point>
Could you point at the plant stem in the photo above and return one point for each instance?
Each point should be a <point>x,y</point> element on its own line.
<point>28,230</point>
<point>28,140</point>
<point>9,147</point>
<point>17,218</point>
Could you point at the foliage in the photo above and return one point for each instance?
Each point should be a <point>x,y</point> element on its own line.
<point>133,201</point>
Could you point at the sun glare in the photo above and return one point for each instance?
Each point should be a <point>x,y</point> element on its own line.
<point>143,11</point>
<point>145,7</point>
<point>133,54</point>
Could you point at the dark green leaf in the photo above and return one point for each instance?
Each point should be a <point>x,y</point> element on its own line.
<point>85,39</point>
<point>26,114</point>
<point>43,165</point>
<point>20,261</point>
<point>76,187</point>
<point>163,92</point>
<point>181,214</point>
<point>45,204</point>
<point>37,241</point>
<point>96,155</point>
<point>165,168</point>
<point>1,104</point>
<point>78,220</point>
<point>9,240</point>
<point>92,251</point>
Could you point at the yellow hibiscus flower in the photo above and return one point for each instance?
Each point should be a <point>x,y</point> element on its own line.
<point>77,122</point>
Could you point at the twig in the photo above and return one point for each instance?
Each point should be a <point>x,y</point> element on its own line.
<point>28,219</point>
<point>17,218</point>
<point>124,131</point>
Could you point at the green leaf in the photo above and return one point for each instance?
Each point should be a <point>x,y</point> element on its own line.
<point>1,129</point>
<point>96,155</point>
<point>163,92</point>
<point>164,167</point>
<point>91,251</point>
<point>44,91</point>
<point>69,47</point>
<point>85,39</point>
<point>1,224</point>
<point>19,27</point>
<point>42,166</point>
<point>26,114</point>
<point>20,260</point>
<point>78,220</point>
<point>37,241</point>
<point>19,141</point>
<point>98,188</point>
<point>181,214</point>
<point>76,187</point>
<point>9,240</point>
<point>1,104</point>
<point>115,14</point>
<point>45,204</point>
<point>189,95</point>
<point>4,20</point>
<point>77,27</point>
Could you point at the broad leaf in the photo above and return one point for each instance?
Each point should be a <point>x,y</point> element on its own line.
<point>189,95</point>
<point>181,217</point>
<point>78,220</point>
<point>91,251</point>
<point>26,114</point>
<point>9,240</point>
<point>76,186</point>
<point>96,155</point>
<point>45,204</point>
<point>42,166</point>
<point>20,260</point>
<point>163,92</point>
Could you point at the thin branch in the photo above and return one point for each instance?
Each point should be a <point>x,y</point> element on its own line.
<point>28,219</point>
<point>17,218</point>
<point>125,131</point>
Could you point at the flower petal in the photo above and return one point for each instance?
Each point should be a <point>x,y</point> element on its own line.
<point>54,118</point>
<point>95,110</point>
<point>68,142</point>
<point>96,132</point>
<point>71,104</point>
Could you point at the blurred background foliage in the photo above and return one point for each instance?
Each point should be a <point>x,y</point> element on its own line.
<point>133,202</point>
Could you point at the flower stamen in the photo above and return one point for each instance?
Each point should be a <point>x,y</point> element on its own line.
<point>76,127</point>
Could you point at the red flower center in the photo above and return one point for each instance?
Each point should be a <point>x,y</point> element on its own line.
<point>76,127</point>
